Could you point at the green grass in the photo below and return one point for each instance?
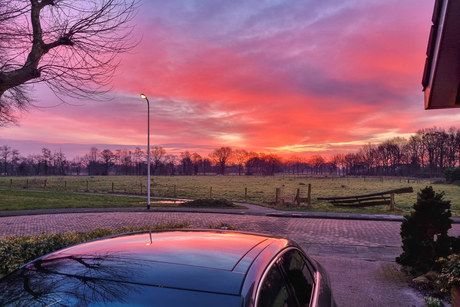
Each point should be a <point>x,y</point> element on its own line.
<point>260,190</point>
<point>28,200</point>
<point>22,200</point>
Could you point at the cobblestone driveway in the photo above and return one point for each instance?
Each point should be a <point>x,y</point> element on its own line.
<point>370,240</point>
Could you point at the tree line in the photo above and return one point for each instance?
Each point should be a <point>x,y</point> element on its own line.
<point>426,153</point>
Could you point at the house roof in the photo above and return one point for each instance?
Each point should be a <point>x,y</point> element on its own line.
<point>441,77</point>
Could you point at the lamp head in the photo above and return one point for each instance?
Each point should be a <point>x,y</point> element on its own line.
<point>143,96</point>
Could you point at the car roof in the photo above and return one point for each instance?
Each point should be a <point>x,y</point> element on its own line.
<point>211,261</point>
<point>210,249</point>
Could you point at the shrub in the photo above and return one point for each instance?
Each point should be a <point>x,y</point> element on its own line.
<point>16,251</point>
<point>452,174</point>
<point>450,274</point>
<point>224,226</point>
<point>424,233</point>
<point>433,302</point>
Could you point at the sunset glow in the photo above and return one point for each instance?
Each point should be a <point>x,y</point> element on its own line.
<point>283,77</point>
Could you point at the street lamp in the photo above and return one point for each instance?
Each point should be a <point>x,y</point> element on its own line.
<point>148,150</point>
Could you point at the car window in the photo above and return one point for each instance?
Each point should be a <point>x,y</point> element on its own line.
<point>298,274</point>
<point>274,291</point>
<point>289,282</point>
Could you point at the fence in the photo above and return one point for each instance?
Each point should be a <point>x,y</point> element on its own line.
<point>138,186</point>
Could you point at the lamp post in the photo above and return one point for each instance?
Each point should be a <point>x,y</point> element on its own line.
<point>148,150</point>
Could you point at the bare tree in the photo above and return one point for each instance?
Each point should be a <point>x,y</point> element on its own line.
<point>317,162</point>
<point>158,156</point>
<point>240,156</point>
<point>5,153</point>
<point>196,160</point>
<point>186,161</point>
<point>369,155</point>
<point>137,158</point>
<point>339,161</point>
<point>47,158</point>
<point>70,45</point>
<point>108,159</point>
<point>270,163</point>
<point>220,156</point>
<point>60,163</point>
<point>77,164</point>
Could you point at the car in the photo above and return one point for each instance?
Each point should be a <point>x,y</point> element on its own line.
<point>172,268</point>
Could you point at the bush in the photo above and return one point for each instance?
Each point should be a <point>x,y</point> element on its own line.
<point>424,233</point>
<point>16,251</point>
<point>223,226</point>
<point>452,174</point>
<point>433,302</point>
<point>450,273</point>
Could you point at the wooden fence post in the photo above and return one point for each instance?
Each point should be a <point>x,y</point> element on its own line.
<point>27,183</point>
<point>277,199</point>
<point>175,195</point>
<point>210,192</point>
<point>141,188</point>
<point>65,185</point>
<point>392,202</point>
<point>309,194</point>
<point>113,185</point>
<point>297,197</point>
<point>246,194</point>
<point>45,185</point>
<point>11,183</point>
<point>87,186</point>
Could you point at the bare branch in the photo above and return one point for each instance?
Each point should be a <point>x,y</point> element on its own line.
<point>72,46</point>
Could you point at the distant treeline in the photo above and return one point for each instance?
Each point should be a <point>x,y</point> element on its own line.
<point>428,152</point>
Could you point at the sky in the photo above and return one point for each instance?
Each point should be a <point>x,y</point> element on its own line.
<point>283,77</point>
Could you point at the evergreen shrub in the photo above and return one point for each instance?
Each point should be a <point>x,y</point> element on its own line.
<point>424,233</point>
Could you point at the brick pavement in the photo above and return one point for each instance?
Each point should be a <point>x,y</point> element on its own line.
<point>357,239</point>
<point>373,240</point>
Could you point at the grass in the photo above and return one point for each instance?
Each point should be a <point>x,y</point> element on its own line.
<point>260,190</point>
<point>27,200</point>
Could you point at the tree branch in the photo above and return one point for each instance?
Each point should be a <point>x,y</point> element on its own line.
<point>72,46</point>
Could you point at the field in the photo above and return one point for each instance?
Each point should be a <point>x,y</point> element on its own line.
<point>260,190</point>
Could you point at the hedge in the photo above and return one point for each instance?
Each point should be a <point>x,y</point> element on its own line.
<point>16,251</point>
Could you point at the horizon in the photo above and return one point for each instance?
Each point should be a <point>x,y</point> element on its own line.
<point>82,150</point>
<point>275,77</point>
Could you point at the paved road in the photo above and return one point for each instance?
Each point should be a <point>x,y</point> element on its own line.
<point>359,254</point>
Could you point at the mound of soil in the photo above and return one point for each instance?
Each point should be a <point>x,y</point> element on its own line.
<point>209,203</point>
